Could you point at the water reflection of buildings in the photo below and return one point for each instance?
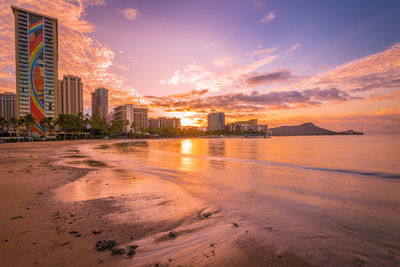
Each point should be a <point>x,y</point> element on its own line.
<point>216,148</point>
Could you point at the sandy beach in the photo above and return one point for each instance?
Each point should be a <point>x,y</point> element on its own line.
<point>42,225</point>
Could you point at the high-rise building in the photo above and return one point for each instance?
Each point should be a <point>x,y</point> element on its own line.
<point>124,112</point>
<point>140,118</point>
<point>7,105</point>
<point>164,121</point>
<point>216,121</point>
<point>70,95</point>
<point>100,103</point>
<point>36,55</point>
<point>132,114</point>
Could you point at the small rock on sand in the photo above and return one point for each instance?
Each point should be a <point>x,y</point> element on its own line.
<point>118,251</point>
<point>173,234</point>
<point>105,244</point>
<point>131,251</point>
<point>235,224</point>
<point>96,232</point>
<point>206,215</point>
<point>16,217</point>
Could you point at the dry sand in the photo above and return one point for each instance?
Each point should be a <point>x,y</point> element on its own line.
<point>37,229</point>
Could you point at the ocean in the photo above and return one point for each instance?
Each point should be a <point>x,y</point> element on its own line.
<point>332,200</point>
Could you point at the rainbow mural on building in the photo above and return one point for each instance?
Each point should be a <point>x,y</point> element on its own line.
<point>36,73</point>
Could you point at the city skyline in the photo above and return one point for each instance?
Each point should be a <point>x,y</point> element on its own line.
<point>267,60</point>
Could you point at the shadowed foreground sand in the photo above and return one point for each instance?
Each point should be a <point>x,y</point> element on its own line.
<point>39,230</point>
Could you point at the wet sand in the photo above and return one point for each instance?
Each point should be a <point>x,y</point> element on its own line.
<point>42,225</point>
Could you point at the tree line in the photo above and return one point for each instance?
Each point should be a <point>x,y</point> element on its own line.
<point>70,125</point>
<point>74,126</point>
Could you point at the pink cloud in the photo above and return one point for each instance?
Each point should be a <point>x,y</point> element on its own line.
<point>130,13</point>
<point>270,16</point>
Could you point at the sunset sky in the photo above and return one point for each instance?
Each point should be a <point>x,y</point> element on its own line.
<point>333,63</point>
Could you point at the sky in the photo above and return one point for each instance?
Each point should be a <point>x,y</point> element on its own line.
<point>333,63</point>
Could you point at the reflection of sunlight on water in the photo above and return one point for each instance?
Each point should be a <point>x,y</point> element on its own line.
<point>186,146</point>
<point>187,163</point>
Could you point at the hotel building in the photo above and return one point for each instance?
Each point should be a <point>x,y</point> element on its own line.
<point>70,95</point>
<point>250,125</point>
<point>36,61</point>
<point>163,121</point>
<point>7,105</point>
<point>124,112</point>
<point>140,118</point>
<point>132,114</point>
<point>100,103</point>
<point>216,121</point>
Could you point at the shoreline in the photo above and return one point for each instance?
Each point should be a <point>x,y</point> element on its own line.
<point>47,231</point>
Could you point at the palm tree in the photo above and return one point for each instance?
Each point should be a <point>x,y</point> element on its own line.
<point>28,120</point>
<point>47,123</point>
<point>3,124</point>
<point>14,124</point>
<point>133,126</point>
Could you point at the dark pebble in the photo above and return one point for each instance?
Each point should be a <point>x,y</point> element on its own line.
<point>73,232</point>
<point>235,224</point>
<point>16,217</point>
<point>105,244</point>
<point>131,252</point>
<point>206,214</point>
<point>96,232</point>
<point>118,251</point>
<point>173,234</point>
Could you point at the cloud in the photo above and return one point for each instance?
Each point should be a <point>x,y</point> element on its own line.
<point>202,78</point>
<point>380,70</point>
<point>262,52</point>
<point>254,101</point>
<point>270,16</point>
<point>130,13</point>
<point>222,62</point>
<point>269,77</point>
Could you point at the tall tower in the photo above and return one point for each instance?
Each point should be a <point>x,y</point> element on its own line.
<point>7,105</point>
<point>100,103</point>
<point>216,121</point>
<point>70,95</point>
<point>36,62</point>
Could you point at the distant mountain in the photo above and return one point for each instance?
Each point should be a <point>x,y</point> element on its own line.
<point>307,129</point>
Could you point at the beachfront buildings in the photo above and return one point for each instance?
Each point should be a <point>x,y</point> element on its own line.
<point>137,117</point>
<point>123,112</point>
<point>245,126</point>
<point>69,95</point>
<point>216,121</point>
<point>164,121</point>
<point>100,103</point>
<point>36,61</point>
<point>140,118</point>
<point>7,105</point>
